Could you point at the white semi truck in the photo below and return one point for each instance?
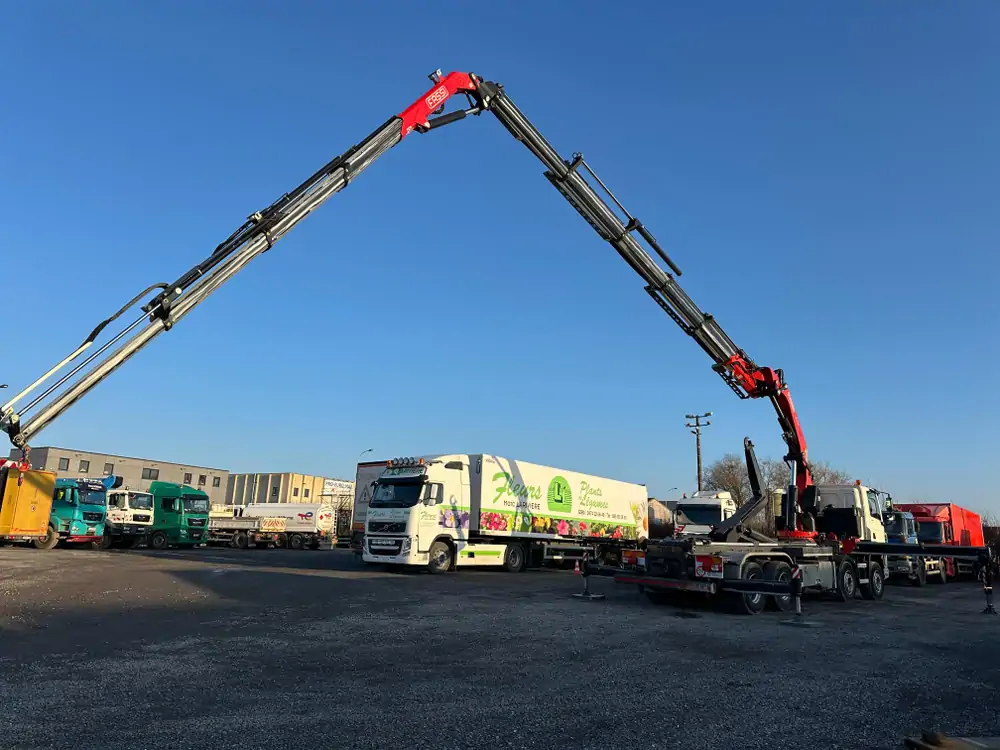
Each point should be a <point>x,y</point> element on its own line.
<point>475,509</point>
<point>129,520</point>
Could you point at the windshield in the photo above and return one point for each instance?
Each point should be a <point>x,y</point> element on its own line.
<point>895,526</point>
<point>91,497</point>
<point>140,501</point>
<point>194,504</point>
<point>396,495</point>
<point>930,531</point>
<point>699,515</point>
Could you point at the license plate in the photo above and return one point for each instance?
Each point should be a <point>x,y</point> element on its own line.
<point>707,566</point>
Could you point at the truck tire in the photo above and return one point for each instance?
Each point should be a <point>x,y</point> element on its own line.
<point>847,580</point>
<point>240,540</point>
<point>50,540</point>
<point>875,588</point>
<point>920,577</point>
<point>295,541</point>
<point>130,542</point>
<point>779,571</point>
<point>513,558</point>
<point>439,557</point>
<point>280,541</point>
<point>749,604</point>
<point>159,541</point>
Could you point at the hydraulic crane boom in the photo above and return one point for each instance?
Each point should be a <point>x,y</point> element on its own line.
<point>262,229</point>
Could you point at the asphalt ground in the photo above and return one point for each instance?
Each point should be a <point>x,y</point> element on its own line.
<point>228,648</point>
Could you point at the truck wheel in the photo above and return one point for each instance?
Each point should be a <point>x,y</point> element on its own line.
<point>513,558</point>
<point>159,541</point>
<point>920,577</point>
<point>280,541</point>
<point>847,581</point>
<point>781,572</point>
<point>104,543</point>
<point>50,540</point>
<point>240,540</point>
<point>875,588</point>
<point>130,542</point>
<point>750,604</point>
<point>439,558</point>
<point>295,541</point>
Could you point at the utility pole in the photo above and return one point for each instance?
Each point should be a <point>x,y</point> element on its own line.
<point>697,425</point>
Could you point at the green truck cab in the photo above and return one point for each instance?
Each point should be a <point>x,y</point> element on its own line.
<point>180,516</point>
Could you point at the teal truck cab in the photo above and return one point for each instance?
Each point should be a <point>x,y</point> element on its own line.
<point>79,508</point>
<point>902,528</point>
<point>180,516</point>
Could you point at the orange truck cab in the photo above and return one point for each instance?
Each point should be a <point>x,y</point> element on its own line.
<point>947,523</point>
<point>25,503</point>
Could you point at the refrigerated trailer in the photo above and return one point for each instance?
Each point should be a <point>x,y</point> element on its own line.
<point>477,509</point>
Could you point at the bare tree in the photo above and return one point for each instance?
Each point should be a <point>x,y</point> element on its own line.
<point>823,473</point>
<point>730,474</point>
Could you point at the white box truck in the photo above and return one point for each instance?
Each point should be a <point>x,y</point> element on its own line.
<point>455,510</point>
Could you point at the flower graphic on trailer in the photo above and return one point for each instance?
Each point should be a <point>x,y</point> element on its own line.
<point>560,496</point>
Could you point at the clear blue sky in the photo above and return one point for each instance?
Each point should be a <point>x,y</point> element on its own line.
<point>825,175</point>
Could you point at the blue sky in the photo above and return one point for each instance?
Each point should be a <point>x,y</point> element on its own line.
<point>824,174</point>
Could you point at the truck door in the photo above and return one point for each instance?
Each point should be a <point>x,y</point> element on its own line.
<point>165,519</point>
<point>435,515</point>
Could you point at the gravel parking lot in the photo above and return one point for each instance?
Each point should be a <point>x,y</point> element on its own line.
<point>211,648</point>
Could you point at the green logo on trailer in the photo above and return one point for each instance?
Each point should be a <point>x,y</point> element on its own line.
<point>560,496</point>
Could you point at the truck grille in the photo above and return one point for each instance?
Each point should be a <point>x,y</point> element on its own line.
<point>141,518</point>
<point>93,517</point>
<point>384,546</point>
<point>196,522</point>
<point>387,527</point>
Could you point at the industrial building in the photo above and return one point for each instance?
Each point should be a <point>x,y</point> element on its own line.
<point>136,473</point>
<point>244,489</point>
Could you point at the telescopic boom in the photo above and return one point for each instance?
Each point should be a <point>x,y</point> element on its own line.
<point>574,179</point>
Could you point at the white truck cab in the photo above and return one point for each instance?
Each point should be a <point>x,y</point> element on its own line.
<point>704,509</point>
<point>130,517</point>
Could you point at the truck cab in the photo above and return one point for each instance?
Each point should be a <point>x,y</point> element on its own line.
<point>901,527</point>
<point>180,515</point>
<point>130,518</point>
<point>848,510</point>
<point>697,514</point>
<point>79,507</point>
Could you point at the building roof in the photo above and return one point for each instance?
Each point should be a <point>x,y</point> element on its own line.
<point>131,458</point>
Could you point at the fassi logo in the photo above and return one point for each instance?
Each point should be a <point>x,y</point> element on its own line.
<point>438,95</point>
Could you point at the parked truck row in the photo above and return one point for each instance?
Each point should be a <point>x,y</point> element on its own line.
<point>443,512</point>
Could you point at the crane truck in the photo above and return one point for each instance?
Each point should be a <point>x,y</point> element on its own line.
<point>575,180</point>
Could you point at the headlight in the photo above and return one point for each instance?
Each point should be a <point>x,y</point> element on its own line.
<point>184,532</point>
<point>406,546</point>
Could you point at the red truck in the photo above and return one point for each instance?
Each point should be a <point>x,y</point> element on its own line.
<point>947,523</point>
